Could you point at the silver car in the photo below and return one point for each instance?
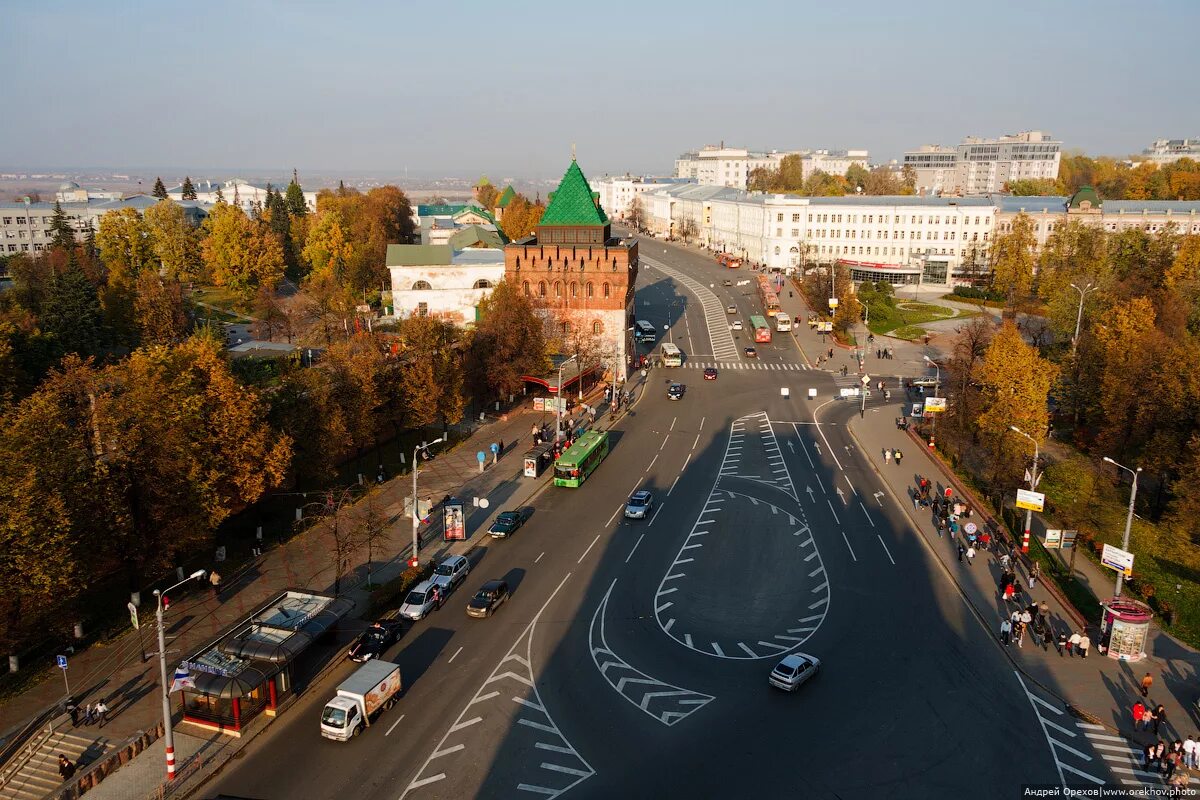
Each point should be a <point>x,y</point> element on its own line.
<point>793,670</point>
<point>422,600</point>
<point>450,573</point>
<point>639,505</point>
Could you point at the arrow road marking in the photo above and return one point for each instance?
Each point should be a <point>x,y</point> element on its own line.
<point>878,495</point>
<point>841,495</point>
<point>810,493</point>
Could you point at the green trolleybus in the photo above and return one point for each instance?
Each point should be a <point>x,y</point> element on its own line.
<point>574,466</point>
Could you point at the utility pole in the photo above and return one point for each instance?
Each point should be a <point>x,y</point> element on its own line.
<point>1087,287</point>
<point>1033,482</point>
<point>559,402</point>
<point>416,511</point>
<point>168,733</point>
<point>1128,518</point>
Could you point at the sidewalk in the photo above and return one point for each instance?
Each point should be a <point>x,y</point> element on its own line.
<point>1104,688</point>
<point>114,670</point>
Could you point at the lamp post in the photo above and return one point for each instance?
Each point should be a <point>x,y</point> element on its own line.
<point>1087,287</point>
<point>1033,482</point>
<point>168,734</point>
<point>1128,518</point>
<point>558,401</point>
<point>416,511</point>
<point>937,388</point>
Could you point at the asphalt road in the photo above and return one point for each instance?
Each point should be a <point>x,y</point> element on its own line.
<point>633,657</point>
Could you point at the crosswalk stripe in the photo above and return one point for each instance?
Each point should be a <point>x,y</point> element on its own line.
<point>1070,749</point>
<point>1080,773</point>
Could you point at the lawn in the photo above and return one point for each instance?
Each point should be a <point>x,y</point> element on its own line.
<point>904,319</point>
<point>231,304</point>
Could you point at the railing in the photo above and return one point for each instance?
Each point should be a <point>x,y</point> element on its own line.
<point>24,744</point>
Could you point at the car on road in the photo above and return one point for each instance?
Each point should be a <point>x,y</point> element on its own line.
<point>374,640</point>
<point>793,670</point>
<point>450,573</point>
<point>737,325</point>
<point>751,352</point>
<point>506,524</point>
<point>675,391</point>
<point>639,505</point>
<point>710,373</point>
<point>731,309</point>
<point>727,282</point>
<point>422,600</point>
<point>490,597</point>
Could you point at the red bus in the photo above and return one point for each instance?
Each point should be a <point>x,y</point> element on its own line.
<point>767,296</point>
<point>762,330</point>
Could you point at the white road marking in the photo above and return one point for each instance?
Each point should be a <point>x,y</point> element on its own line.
<point>885,549</point>
<point>424,781</point>
<point>635,547</point>
<point>864,508</point>
<point>1053,753</point>
<point>688,638</point>
<point>821,431</point>
<point>831,511</point>
<point>539,558</point>
<point>654,516</point>
<point>848,547</point>
<point>677,477</point>
<point>652,462</point>
<point>479,698</point>
<point>717,649</point>
<point>394,724</point>
<point>686,459</point>
<point>851,485</point>
<point>702,423</point>
<point>673,421</point>
<point>614,515</point>
<point>660,447</point>
<point>589,549</point>
<point>456,652</point>
<point>693,444</point>
<point>449,750</point>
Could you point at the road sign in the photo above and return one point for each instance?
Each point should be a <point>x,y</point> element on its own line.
<point>1034,501</point>
<point>1053,540</point>
<point>833,302</point>
<point>935,405</point>
<point>1118,559</point>
<point>133,618</point>
<point>865,379</point>
<point>1068,539</point>
<point>61,661</point>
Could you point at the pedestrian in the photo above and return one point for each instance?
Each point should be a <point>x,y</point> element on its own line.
<point>970,556</point>
<point>877,352</point>
<point>1019,634</point>
<point>1026,617</point>
<point>898,455</point>
<point>1034,574</point>
<point>73,710</point>
<point>962,551</point>
<point>1189,752</point>
<point>501,445</point>
<point>1160,754</point>
<point>1004,560</point>
<point>102,712</point>
<point>831,353</point>
<point>1139,708</point>
<point>986,538</point>
<point>214,578</point>
<point>941,527</point>
<point>1044,609</point>
<point>89,714</point>
<point>1063,643</point>
<point>1036,630</point>
<point>1073,645</point>
<point>1149,756</point>
<point>1159,717</point>
<point>887,455</point>
<point>1085,644</point>
<point>1005,631</point>
<point>1147,682</point>
<point>1172,761</point>
<point>916,499</point>
<point>66,769</point>
<point>1008,592</point>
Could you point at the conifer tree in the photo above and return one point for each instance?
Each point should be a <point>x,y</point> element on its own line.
<point>160,191</point>
<point>189,191</point>
<point>297,206</point>
<point>72,313</point>
<point>60,229</point>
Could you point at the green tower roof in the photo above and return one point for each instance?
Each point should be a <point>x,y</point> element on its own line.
<point>1085,193</point>
<point>573,203</point>
<point>506,197</point>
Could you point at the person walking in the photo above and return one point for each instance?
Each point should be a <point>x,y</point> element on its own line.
<point>1019,633</point>
<point>1008,592</point>
<point>1005,631</point>
<point>1148,756</point>
<point>66,769</point>
<point>214,578</point>
<point>1189,752</point>
<point>1044,609</point>
<point>1159,718</point>
<point>1160,754</point>
<point>898,455</point>
<point>73,710</point>
<point>1147,682</point>
<point>1063,644</point>
<point>916,499</point>
<point>962,551</point>
<point>970,556</point>
<point>1139,708</point>
<point>1004,559</point>
<point>1073,644</point>
<point>1085,644</point>
<point>1172,761</point>
<point>1034,574</point>
<point>887,455</point>
<point>89,714</point>
<point>102,712</point>
<point>1147,718</point>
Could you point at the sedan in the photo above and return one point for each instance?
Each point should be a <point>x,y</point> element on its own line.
<point>727,282</point>
<point>793,670</point>
<point>731,310</point>
<point>675,391</point>
<point>490,597</point>
<point>639,505</point>
<point>737,325</point>
<point>427,597</point>
<point>506,524</point>
<point>751,352</point>
<point>710,373</point>
<point>450,573</point>
<point>374,640</point>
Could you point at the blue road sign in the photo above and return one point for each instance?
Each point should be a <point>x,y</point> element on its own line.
<point>61,661</point>
<point>495,448</point>
<point>481,456</point>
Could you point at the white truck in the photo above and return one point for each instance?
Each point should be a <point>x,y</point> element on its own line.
<point>375,686</point>
<point>783,322</point>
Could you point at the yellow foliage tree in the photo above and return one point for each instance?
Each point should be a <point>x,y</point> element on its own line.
<point>1012,259</point>
<point>327,248</point>
<point>173,239</point>
<point>240,253</point>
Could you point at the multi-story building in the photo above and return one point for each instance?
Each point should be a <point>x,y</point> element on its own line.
<point>617,193</point>
<point>25,227</point>
<point>1049,213</point>
<point>235,191</point>
<point>985,166</point>
<point>1165,151</point>
<point>443,280</point>
<point>718,165</point>
<point>833,162</point>
<point>578,274</point>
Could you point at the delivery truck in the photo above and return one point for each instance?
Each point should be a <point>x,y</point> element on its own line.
<point>375,686</point>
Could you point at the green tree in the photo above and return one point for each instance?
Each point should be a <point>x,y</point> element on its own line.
<point>187,191</point>
<point>1027,187</point>
<point>125,244</point>
<point>160,191</point>
<point>1012,260</point>
<point>822,184</point>
<point>240,253</point>
<point>1075,253</point>
<point>61,230</point>
<point>856,177</point>
<point>328,249</point>
<point>72,314</point>
<point>297,205</point>
<point>790,176</point>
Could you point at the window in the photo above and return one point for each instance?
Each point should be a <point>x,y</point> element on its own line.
<point>574,292</point>
<point>518,262</point>
<point>558,288</point>
<point>20,220</point>
<point>779,232</point>
<point>590,290</point>
<point>422,309</point>
<point>525,288</point>
<point>484,283</point>
<point>597,328</point>
<point>8,220</point>
<point>607,290</point>
<point>778,218</point>
<point>541,289</point>
<point>810,217</point>
<point>421,286</point>
<point>795,232</point>
<point>776,251</point>
<point>795,218</point>
<point>566,327</point>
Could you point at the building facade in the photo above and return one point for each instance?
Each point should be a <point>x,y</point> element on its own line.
<point>985,166</point>
<point>834,162</point>
<point>617,193</point>
<point>1166,151</point>
<point>442,281</point>
<point>718,165</point>
<point>579,275</point>
<point>235,191</point>
<point>25,227</point>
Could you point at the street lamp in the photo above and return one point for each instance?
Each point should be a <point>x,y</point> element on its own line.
<point>1128,519</point>
<point>937,388</point>
<point>558,401</point>
<point>168,734</point>
<point>1087,287</point>
<point>1033,482</point>
<point>416,511</point>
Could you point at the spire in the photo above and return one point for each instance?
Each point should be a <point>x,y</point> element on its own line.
<point>572,151</point>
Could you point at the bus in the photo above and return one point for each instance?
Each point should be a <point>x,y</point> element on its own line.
<point>672,356</point>
<point>783,323</point>
<point>643,331</point>
<point>767,296</point>
<point>762,331</point>
<point>577,463</point>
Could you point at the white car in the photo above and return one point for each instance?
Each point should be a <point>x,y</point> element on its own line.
<point>737,325</point>
<point>793,670</point>
<point>731,309</point>
<point>427,597</point>
<point>450,573</point>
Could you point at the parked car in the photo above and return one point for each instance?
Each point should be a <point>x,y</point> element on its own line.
<point>727,282</point>
<point>710,373</point>
<point>374,640</point>
<point>793,670</point>
<point>751,352</point>
<point>451,572</point>
<point>427,597</point>
<point>490,597</point>
<point>506,524</point>
<point>639,504</point>
<point>675,391</point>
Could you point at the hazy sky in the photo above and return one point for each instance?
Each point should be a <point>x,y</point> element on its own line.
<point>506,87</point>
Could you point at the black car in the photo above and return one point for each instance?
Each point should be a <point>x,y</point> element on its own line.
<point>489,598</point>
<point>374,640</point>
<point>675,391</point>
<point>506,524</point>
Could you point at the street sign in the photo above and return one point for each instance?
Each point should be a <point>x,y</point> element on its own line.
<point>935,405</point>
<point>1034,501</point>
<point>61,661</point>
<point>453,521</point>
<point>1117,559</point>
<point>971,527</point>
<point>1053,540</point>
<point>865,379</point>
<point>1068,539</point>
<point>918,410</point>
<point>133,618</point>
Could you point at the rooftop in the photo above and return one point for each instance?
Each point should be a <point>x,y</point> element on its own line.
<point>441,255</point>
<point>574,203</point>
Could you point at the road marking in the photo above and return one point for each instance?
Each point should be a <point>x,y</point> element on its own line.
<point>688,638</point>
<point>425,781</point>
<point>819,603</point>
<point>479,698</point>
<point>702,423</point>
<point>885,549</point>
<point>459,726</point>
<point>696,442</point>
<point>539,558</point>
<point>394,724</point>
<point>673,421</point>
<point>816,572</point>
<point>529,704</point>
<point>654,516</point>
<point>553,748</point>
<point>664,444</point>
<point>835,516</point>
<point>717,649</point>
<point>821,431</point>
<point>848,547</point>
<point>810,619</point>
<point>652,462</point>
<point>635,547</point>
<point>568,770</point>
<point>456,652</point>
<point>1053,753</point>
<point>669,625</point>
<point>686,459</point>
<point>677,477</point>
<point>864,508</point>
<point>614,515</point>
<point>449,750</point>
<point>541,727</point>
<point>589,549</point>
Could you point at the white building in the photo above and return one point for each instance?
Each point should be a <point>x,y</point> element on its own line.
<point>985,166</point>
<point>833,162</point>
<point>25,227</point>
<point>72,192</point>
<point>718,165</point>
<point>236,191</point>
<point>439,280</point>
<point>1165,151</point>
<point>617,193</point>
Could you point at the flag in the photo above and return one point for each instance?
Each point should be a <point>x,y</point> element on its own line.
<point>182,680</point>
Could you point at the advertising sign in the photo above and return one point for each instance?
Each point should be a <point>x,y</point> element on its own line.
<point>934,405</point>
<point>833,302</point>
<point>454,528</point>
<point>1118,559</point>
<point>1034,501</point>
<point>918,410</point>
<point>1053,540</point>
<point>1068,539</point>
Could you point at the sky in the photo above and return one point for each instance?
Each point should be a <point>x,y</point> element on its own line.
<point>506,88</point>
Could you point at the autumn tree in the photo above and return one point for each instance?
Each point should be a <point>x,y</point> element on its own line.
<point>1075,253</point>
<point>431,375</point>
<point>521,217</point>
<point>849,311</point>
<point>509,341</point>
<point>1033,187</point>
<point>173,240</point>
<point>635,215</point>
<point>240,253</point>
<point>856,178</point>
<point>160,309</point>
<point>970,347</point>
<point>160,191</point>
<point>822,184</point>
<point>688,229</point>
<point>486,194</point>
<point>1012,260</point>
<point>328,249</point>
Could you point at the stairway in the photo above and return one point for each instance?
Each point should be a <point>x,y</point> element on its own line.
<point>39,776</point>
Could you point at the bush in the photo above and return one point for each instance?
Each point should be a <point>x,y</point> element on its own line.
<point>972,293</point>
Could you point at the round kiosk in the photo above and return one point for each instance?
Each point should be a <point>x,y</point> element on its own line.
<point>1124,628</point>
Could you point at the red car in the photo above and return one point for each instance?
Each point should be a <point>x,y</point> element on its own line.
<point>710,373</point>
